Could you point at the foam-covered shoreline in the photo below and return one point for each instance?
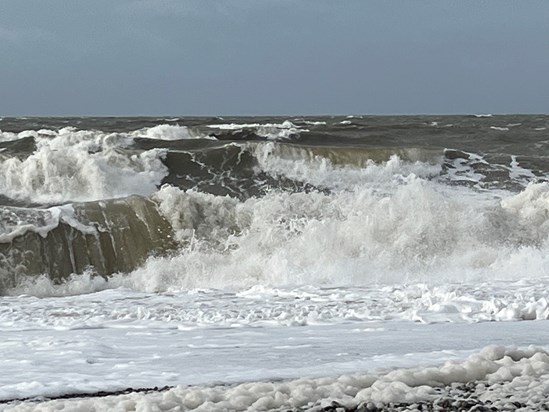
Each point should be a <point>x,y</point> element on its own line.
<point>119,354</point>
<point>495,377</point>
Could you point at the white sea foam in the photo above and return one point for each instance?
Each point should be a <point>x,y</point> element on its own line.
<point>382,224</point>
<point>17,221</point>
<point>161,132</point>
<point>462,169</point>
<point>388,229</point>
<point>72,165</point>
<point>82,165</point>
<point>415,234</point>
<point>389,266</point>
<point>499,375</point>
<point>269,306</point>
<point>502,129</point>
<point>10,136</point>
<point>474,169</point>
<point>314,123</point>
<point>519,174</point>
<point>167,132</point>
<point>271,131</point>
<point>320,172</point>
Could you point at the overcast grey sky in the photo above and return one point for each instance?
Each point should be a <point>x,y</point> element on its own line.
<point>206,57</point>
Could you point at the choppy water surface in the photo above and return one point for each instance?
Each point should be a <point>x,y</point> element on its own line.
<point>237,202</point>
<point>272,222</point>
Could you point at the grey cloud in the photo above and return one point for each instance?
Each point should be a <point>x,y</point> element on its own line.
<point>164,8</point>
<point>273,57</point>
<point>25,35</point>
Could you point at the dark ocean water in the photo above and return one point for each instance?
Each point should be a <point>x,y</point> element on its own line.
<point>93,194</point>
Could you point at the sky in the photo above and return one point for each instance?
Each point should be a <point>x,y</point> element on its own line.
<point>273,57</point>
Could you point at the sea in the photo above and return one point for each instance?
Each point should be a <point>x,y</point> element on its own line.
<point>274,263</point>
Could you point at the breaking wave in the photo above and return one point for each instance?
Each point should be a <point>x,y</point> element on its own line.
<point>72,165</point>
<point>162,208</point>
<point>384,223</point>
